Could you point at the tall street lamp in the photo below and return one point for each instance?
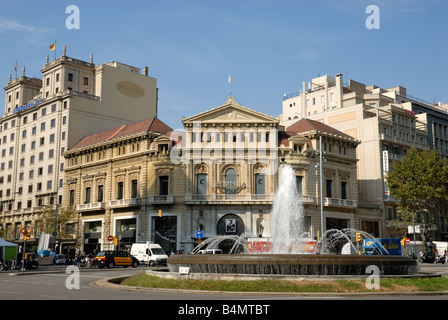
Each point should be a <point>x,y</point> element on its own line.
<point>413,229</point>
<point>55,212</point>
<point>321,160</point>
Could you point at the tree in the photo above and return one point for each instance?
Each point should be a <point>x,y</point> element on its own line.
<point>420,184</point>
<point>65,218</point>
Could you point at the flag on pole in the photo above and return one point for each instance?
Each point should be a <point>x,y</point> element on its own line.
<point>228,80</point>
<point>53,46</point>
<point>15,66</point>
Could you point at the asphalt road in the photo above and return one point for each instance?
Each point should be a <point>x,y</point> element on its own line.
<point>48,284</point>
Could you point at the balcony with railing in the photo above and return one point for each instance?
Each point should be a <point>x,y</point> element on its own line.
<point>91,206</point>
<point>124,203</point>
<point>338,202</point>
<point>237,198</point>
<point>161,199</point>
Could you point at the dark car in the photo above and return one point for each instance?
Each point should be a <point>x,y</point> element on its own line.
<point>115,258</point>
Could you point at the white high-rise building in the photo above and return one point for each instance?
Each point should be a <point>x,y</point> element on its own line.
<point>45,117</point>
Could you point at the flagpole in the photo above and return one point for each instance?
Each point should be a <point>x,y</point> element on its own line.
<point>15,68</point>
<point>54,49</point>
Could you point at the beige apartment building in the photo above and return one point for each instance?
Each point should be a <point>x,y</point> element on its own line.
<point>45,117</point>
<point>383,120</point>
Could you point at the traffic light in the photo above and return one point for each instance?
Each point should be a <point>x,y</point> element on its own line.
<point>403,242</point>
<point>27,235</point>
<point>358,237</point>
<point>160,213</point>
<point>115,241</point>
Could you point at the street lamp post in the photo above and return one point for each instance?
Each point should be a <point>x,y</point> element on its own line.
<point>321,187</point>
<point>413,229</point>
<point>55,211</point>
<point>321,160</point>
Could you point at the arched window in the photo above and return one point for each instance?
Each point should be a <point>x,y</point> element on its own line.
<point>231,181</point>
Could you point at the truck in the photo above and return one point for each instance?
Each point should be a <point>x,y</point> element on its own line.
<point>149,253</point>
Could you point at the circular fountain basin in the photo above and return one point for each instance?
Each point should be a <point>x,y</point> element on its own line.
<point>293,264</point>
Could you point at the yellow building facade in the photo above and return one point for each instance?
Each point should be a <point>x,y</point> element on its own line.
<point>219,176</point>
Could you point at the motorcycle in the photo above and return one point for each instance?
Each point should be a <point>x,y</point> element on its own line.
<point>31,264</point>
<point>428,258</point>
<point>12,264</point>
<point>440,259</point>
<point>85,261</point>
<point>3,267</point>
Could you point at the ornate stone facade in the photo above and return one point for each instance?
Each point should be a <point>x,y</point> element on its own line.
<point>219,176</point>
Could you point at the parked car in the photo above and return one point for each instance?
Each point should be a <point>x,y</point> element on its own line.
<point>115,258</point>
<point>59,259</point>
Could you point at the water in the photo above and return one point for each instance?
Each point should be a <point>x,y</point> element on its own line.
<point>287,218</point>
<point>239,242</point>
<point>334,238</point>
<point>287,227</point>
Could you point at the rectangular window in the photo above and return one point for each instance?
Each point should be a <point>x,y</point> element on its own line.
<point>328,188</point>
<point>88,190</point>
<point>163,185</point>
<point>72,197</point>
<point>100,193</point>
<point>299,180</point>
<point>260,183</point>
<point>120,190</point>
<point>134,193</point>
<point>343,190</point>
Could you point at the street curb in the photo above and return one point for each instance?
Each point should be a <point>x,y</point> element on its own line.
<point>58,270</point>
<point>112,283</point>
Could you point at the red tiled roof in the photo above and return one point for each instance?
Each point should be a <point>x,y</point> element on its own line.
<point>151,124</point>
<point>304,125</point>
<point>283,137</point>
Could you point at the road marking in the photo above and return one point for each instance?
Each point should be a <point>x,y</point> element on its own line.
<point>12,292</point>
<point>53,297</point>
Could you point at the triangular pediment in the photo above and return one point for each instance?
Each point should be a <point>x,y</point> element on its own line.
<point>231,112</point>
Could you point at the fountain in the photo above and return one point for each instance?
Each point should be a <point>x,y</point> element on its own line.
<point>287,251</point>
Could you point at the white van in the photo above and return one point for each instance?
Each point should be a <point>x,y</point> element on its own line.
<point>149,253</point>
<point>210,251</point>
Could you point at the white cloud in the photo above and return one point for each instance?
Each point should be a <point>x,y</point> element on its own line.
<point>8,25</point>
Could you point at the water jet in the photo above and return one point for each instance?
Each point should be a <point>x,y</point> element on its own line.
<point>287,252</point>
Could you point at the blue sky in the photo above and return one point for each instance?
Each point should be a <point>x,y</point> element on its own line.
<point>268,47</point>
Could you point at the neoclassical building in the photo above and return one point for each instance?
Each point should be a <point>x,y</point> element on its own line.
<point>144,182</point>
<point>110,182</point>
<point>233,156</point>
